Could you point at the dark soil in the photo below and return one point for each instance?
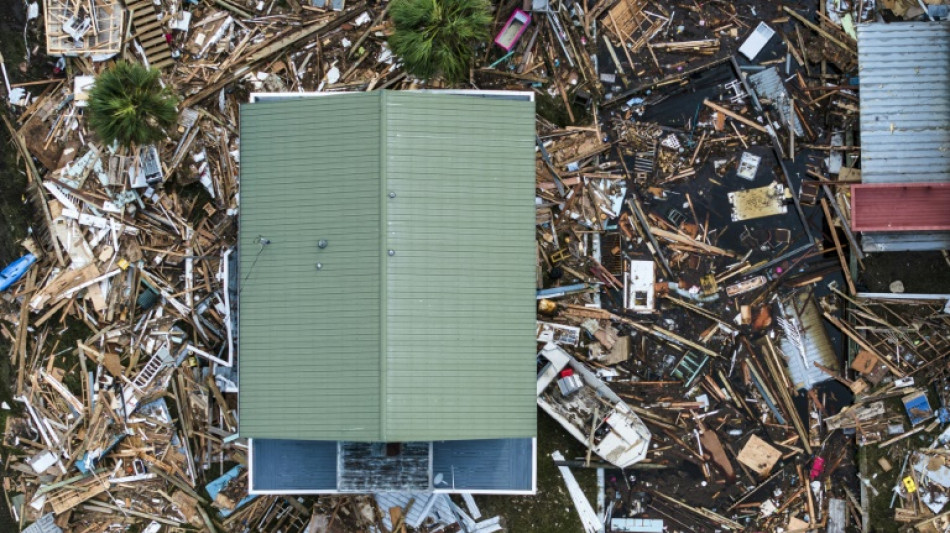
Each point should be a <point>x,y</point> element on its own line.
<point>16,214</point>
<point>920,272</point>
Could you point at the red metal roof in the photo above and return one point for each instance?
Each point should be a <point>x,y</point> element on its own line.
<point>900,207</point>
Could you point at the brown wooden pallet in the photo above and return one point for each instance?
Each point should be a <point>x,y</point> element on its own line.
<point>149,32</point>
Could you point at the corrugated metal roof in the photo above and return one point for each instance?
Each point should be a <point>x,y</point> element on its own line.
<point>301,465</point>
<point>923,207</point>
<point>768,84</point>
<point>456,466</point>
<point>437,506</point>
<point>310,340</point>
<point>805,339</point>
<point>432,342</point>
<point>479,465</point>
<point>899,242</point>
<point>905,102</point>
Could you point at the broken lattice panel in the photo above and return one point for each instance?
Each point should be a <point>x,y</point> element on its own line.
<point>75,27</point>
<point>148,31</point>
<point>627,21</point>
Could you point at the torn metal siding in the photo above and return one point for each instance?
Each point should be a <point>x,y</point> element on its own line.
<point>768,84</point>
<point>891,242</point>
<point>905,102</point>
<point>44,524</point>
<point>805,341</point>
<point>423,504</point>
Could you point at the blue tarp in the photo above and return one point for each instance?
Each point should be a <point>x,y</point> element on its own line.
<point>217,485</point>
<point>918,407</point>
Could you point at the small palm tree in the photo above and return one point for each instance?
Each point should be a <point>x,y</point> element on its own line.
<point>128,104</point>
<point>437,36</point>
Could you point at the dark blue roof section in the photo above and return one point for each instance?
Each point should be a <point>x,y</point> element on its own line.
<point>491,464</point>
<point>464,465</point>
<point>294,465</point>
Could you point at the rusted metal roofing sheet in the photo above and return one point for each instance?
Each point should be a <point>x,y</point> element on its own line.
<point>900,207</point>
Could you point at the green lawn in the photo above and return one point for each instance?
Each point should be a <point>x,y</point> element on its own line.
<point>551,510</point>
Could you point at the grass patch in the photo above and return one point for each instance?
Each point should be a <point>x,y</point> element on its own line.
<point>881,513</point>
<point>551,510</point>
<point>15,211</point>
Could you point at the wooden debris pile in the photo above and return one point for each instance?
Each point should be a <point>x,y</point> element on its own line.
<point>695,265</point>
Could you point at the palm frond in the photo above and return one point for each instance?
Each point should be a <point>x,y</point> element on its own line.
<point>436,37</point>
<point>128,104</point>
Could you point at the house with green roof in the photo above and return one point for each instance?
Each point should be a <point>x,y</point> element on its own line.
<point>386,326</point>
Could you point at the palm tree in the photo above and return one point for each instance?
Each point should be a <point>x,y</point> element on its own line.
<point>437,36</point>
<point>128,104</point>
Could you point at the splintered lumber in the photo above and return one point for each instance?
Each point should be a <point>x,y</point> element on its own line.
<point>634,205</point>
<point>279,44</point>
<point>19,350</point>
<point>775,368</point>
<point>834,235</point>
<point>712,445</point>
<point>64,20</point>
<point>629,22</point>
<point>902,436</point>
<point>581,311</point>
<point>735,116</point>
<point>676,237</point>
<point>719,519</point>
<point>823,33</point>
<point>376,22</point>
<point>218,397</point>
<point>862,343</point>
<point>669,335</point>
<point>851,417</point>
<point>398,519</point>
<point>705,46</point>
<point>69,496</point>
<point>590,437</point>
<point>132,512</point>
<point>613,56</point>
<point>811,499</point>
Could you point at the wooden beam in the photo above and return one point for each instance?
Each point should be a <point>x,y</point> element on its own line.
<point>676,237</point>
<point>811,25</point>
<point>735,116</point>
<point>834,237</point>
<point>862,343</point>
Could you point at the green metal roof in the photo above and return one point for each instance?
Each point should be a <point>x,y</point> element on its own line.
<point>434,341</point>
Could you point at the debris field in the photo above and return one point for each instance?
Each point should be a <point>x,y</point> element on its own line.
<point>697,267</point>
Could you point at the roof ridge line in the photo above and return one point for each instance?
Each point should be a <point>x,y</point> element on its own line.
<point>383,267</point>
